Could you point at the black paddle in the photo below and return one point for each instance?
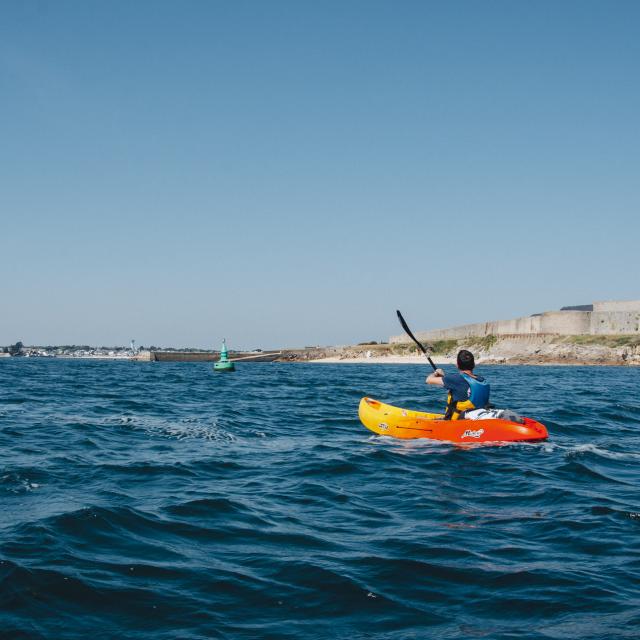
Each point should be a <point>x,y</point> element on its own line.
<point>408,332</point>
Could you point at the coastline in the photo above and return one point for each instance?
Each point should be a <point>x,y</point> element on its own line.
<point>494,350</point>
<point>554,350</point>
<point>450,361</point>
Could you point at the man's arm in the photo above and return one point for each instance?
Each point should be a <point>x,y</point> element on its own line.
<point>436,378</point>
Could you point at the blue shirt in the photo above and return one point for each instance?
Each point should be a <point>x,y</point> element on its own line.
<point>458,386</point>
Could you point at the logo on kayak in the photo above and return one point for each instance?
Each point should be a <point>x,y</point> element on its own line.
<point>470,433</point>
<point>383,425</point>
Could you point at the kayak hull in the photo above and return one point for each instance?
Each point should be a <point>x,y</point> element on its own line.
<point>387,420</point>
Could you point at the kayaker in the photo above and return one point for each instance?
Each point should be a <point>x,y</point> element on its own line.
<point>466,390</point>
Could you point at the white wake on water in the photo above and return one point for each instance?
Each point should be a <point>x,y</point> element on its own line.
<point>184,429</point>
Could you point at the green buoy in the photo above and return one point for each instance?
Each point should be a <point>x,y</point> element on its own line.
<point>224,364</point>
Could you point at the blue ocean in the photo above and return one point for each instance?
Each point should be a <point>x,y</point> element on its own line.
<point>161,500</point>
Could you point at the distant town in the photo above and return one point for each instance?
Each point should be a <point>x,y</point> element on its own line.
<point>85,351</point>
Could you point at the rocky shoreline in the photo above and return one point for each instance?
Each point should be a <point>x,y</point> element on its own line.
<point>520,350</point>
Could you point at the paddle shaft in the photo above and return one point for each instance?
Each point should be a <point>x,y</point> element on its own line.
<point>420,346</point>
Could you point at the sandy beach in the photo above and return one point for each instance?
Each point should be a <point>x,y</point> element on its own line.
<point>373,359</point>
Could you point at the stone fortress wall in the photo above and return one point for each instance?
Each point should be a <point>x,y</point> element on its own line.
<point>611,317</point>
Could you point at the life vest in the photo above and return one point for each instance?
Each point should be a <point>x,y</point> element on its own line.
<point>478,398</point>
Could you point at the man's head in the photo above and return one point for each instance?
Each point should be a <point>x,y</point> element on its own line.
<point>465,360</point>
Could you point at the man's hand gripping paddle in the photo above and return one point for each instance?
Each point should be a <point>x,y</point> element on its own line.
<point>420,346</point>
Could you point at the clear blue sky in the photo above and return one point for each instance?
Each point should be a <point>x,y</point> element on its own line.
<point>290,173</point>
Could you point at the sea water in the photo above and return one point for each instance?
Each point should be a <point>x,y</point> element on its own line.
<point>162,500</point>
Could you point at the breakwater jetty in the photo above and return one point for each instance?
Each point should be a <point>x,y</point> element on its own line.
<point>607,318</point>
<point>204,356</point>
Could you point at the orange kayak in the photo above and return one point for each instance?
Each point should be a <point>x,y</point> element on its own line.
<point>386,420</point>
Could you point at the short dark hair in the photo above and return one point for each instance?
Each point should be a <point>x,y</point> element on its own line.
<point>465,360</point>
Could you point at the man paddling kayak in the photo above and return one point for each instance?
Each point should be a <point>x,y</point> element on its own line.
<point>466,390</point>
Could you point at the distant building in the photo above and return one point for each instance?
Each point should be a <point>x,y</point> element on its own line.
<point>611,317</point>
<point>577,307</point>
